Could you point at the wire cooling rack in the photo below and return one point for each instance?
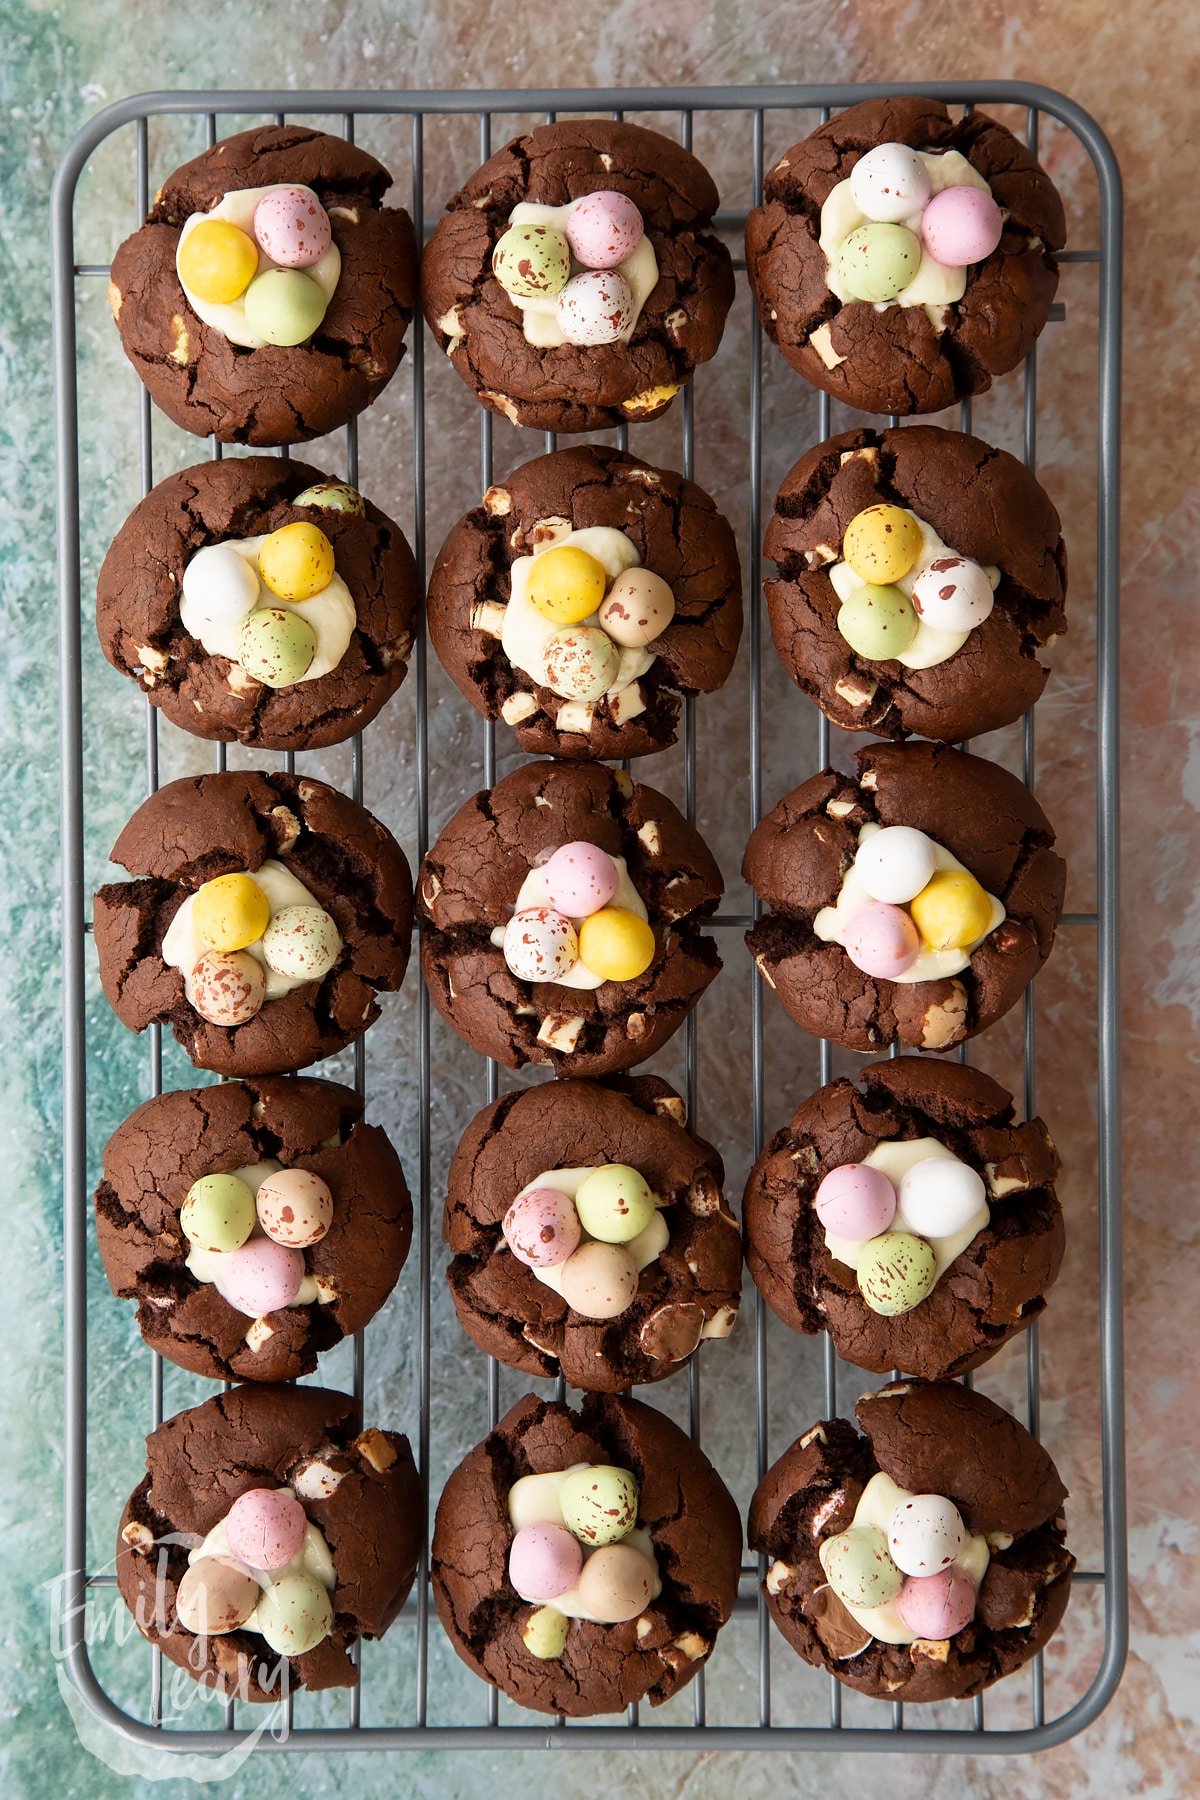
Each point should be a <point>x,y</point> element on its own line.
<point>731,1705</point>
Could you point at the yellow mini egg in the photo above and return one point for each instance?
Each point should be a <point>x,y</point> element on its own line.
<point>296,561</point>
<point>951,911</point>
<point>230,912</point>
<point>566,584</point>
<point>217,262</point>
<point>615,944</point>
<point>882,544</point>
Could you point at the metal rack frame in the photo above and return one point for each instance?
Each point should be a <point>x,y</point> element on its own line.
<point>680,105</point>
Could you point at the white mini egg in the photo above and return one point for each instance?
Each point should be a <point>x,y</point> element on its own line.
<point>637,608</point>
<point>939,1197</point>
<point>540,945</point>
<point>925,1534</point>
<point>889,183</point>
<point>895,864</point>
<point>952,594</point>
<point>219,588</point>
<point>594,307</point>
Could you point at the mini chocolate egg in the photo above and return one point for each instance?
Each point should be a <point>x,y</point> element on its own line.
<point>859,1569</point>
<point>292,227</point>
<point>855,1201</point>
<point>878,623</point>
<point>294,1207</point>
<point>599,1503</point>
<point>939,1197</point>
<point>532,262</point>
<point>882,543</point>
<point>895,863</point>
<point>228,986</point>
<point>953,594</point>
<point>961,226</point>
<point>540,945</point>
<point>295,1614</point>
<point>230,911</point>
<point>925,1533</point>
<point>896,1271</point>
<point>542,1227</point>
<point>616,944</point>
<point>284,306</point>
<point>276,646</point>
<point>216,261</point>
<point>889,183</point>
<point>333,496</point>
<point>935,1607</point>
<point>260,1277</point>
<point>218,1213</point>
<point>215,1595</point>
<point>594,307</point>
<point>614,1203</point>
<point>616,1584</point>
<point>877,262</point>
<point>952,911</point>
<point>881,940</point>
<point>219,588</point>
<point>302,942</point>
<point>544,1560</point>
<point>265,1527</point>
<point>599,1281</point>
<point>580,878</point>
<point>296,561</point>
<point>544,1633</point>
<point>637,608</point>
<point>566,585</point>
<point>580,663</point>
<point>604,228</point>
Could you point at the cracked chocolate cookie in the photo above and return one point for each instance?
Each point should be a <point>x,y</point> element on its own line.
<point>589,1234</point>
<point>209,550</point>
<point>585,1561</point>
<point>256,1224</point>
<point>574,282</point>
<point>270,1534</point>
<point>901,259</point>
<point>914,901</point>
<point>920,572</point>
<point>910,1217</point>
<point>591,544</point>
<point>923,1560</point>
<point>562,917</point>
<point>266,297</point>
<point>267,914</point>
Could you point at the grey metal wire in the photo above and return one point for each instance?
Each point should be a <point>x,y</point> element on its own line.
<point>684,104</point>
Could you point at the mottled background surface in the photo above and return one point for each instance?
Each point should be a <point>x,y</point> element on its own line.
<point>60,65</point>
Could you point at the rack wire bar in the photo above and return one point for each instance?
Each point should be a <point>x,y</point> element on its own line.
<point>675,110</point>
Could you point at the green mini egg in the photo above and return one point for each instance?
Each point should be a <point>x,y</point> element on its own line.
<point>614,1204</point>
<point>896,1271</point>
<point>337,496</point>
<point>599,1503</point>
<point>878,622</point>
<point>878,261</point>
<point>218,1213</point>
<point>859,1569</point>
<point>532,261</point>
<point>545,1633</point>
<point>284,306</point>
<point>276,646</point>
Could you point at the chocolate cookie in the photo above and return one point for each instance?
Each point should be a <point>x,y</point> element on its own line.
<point>311,839</point>
<point>209,693</point>
<point>570,386</point>
<point>358,1489</point>
<point>676,533</point>
<point>682,1514</point>
<point>470,887</point>
<point>986,509</point>
<point>271,392</point>
<point>172,1142</point>
<point>980,818</point>
<point>688,1290</point>
<point>896,358</point>
<point>986,1291</point>
<point>930,1439</point>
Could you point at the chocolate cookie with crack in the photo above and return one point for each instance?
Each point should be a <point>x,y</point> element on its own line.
<point>562,915</point>
<point>256,1224</point>
<point>575,282</point>
<point>267,914</point>
<point>900,259</point>
<point>920,572</point>
<point>271,1533</point>
<point>589,1234</point>
<point>260,600</point>
<point>266,297</point>
<point>908,1216</point>
<point>913,902</point>
<point>923,1560</point>
<point>630,568</point>
<point>585,1561</point>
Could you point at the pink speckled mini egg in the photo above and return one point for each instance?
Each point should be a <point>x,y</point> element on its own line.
<point>580,879</point>
<point>228,987</point>
<point>295,1207</point>
<point>881,940</point>
<point>540,944</point>
<point>260,1277</point>
<point>292,227</point>
<point>936,1606</point>
<point>544,1560</point>
<point>961,226</point>
<point>604,228</point>
<point>542,1227</point>
<point>856,1201</point>
<point>265,1527</point>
